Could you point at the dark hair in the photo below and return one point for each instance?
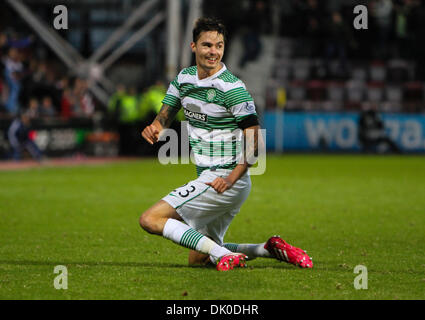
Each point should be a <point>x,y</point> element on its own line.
<point>208,24</point>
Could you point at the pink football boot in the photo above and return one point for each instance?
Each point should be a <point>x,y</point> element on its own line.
<point>230,261</point>
<point>283,251</point>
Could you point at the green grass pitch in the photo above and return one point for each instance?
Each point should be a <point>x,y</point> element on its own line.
<point>344,210</point>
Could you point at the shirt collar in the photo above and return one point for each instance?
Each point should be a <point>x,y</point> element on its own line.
<point>215,75</point>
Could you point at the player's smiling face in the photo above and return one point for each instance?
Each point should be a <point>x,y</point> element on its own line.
<point>209,50</point>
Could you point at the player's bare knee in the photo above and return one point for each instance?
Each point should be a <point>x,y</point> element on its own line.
<point>147,222</point>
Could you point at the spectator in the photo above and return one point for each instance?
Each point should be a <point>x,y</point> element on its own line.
<point>312,14</point>
<point>84,105</point>
<point>313,24</point>
<point>62,84</point>
<point>18,135</point>
<point>262,13</point>
<point>17,42</point>
<point>3,96</point>
<point>251,33</point>
<point>33,108</point>
<point>115,102</point>
<point>338,38</point>
<point>402,9</point>
<point>67,104</point>
<point>151,101</point>
<point>39,76</point>
<point>47,109</point>
<point>126,107</point>
<point>372,134</point>
<point>13,74</point>
<point>417,30</point>
<point>3,43</point>
<point>382,11</point>
<point>252,47</point>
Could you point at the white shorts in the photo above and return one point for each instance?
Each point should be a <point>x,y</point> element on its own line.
<point>205,210</point>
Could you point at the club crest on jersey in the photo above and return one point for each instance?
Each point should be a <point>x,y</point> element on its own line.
<point>211,95</point>
<point>195,115</point>
<point>249,106</point>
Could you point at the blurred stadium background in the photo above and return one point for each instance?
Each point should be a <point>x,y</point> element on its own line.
<point>321,87</point>
<point>319,84</point>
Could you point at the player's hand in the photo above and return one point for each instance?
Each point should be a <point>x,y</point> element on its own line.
<point>151,134</point>
<point>220,184</point>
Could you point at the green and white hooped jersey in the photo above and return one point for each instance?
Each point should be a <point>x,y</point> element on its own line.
<point>213,108</point>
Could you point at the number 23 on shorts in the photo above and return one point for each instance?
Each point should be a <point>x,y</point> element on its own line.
<point>184,192</point>
<point>189,191</point>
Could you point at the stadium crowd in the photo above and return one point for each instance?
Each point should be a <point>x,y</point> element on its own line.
<point>33,84</point>
<point>394,26</point>
<point>322,63</point>
<point>42,89</point>
<point>325,28</point>
<point>319,29</point>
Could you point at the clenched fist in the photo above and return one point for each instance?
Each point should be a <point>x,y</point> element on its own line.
<point>151,133</point>
<point>220,184</point>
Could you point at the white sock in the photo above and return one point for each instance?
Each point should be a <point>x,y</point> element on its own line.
<point>183,235</point>
<point>251,250</point>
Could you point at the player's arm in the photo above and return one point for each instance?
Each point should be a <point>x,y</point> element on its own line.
<point>163,120</point>
<point>251,140</point>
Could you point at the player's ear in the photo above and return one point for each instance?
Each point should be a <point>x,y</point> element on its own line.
<point>193,46</point>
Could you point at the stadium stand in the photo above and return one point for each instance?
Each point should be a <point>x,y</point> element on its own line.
<point>364,72</point>
<point>298,56</point>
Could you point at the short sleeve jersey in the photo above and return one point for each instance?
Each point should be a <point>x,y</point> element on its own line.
<point>213,108</point>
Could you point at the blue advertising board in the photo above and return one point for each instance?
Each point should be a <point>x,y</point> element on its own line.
<point>305,131</point>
